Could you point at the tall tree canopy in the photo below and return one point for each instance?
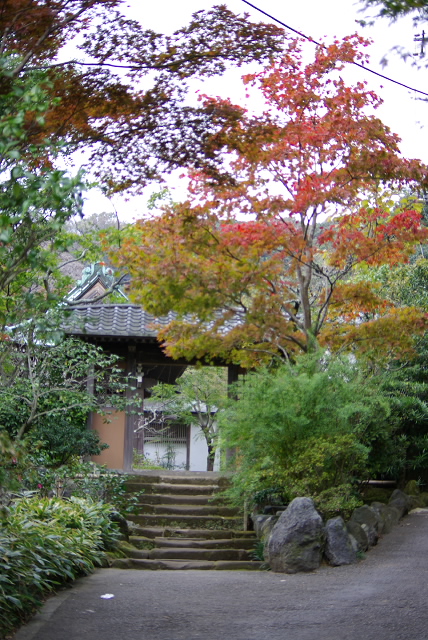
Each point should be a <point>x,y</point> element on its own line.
<point>100,99</point>
<point>36,201</point>
<point>396,8</point>
<point>258,262</point>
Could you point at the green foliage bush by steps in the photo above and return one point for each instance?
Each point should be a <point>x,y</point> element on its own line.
<point>302,429</point>
<point>65,436</point>
<point>96,482</point>
<point>45,543</point>
<point>21,471</point>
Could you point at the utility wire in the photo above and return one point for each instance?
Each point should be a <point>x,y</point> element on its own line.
<point>357,64</point>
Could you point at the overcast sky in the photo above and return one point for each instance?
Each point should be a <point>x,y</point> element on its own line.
<point>401,111</point>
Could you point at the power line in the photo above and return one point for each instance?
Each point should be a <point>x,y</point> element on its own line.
<point>357,64</point>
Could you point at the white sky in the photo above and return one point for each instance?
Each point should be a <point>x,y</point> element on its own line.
<point>403,113</point>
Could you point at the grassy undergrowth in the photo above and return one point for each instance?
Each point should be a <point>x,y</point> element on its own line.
<point>45,543</point>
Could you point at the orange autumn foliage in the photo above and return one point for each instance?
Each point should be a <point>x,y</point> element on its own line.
<point>258,263</point>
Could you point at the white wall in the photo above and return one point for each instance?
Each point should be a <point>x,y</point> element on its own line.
<point>158,453</point>
<point>199,451</point>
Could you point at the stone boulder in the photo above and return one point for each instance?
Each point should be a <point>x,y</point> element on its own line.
<point>389,515</point>
<point>258,522</point>
<point>296,541</point>
<point>339,548</point>
<point>412,488</point>
<point>370,521</point>
<point>267,527</point>
<point>273,510</point>
<point>358,534</point>
<point>400,501</point>
<point>263,525</point>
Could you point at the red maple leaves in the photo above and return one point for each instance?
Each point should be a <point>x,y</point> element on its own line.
<point>259,262</point>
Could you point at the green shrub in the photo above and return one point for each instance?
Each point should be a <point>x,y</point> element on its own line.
<point>272,496</point>
<point>96,482</point>
<point>44,543</point>
<point>325,463</point>
<point>338,501</point>
<point>304,430</point>
<point>65,436</point>
<point>22,471</point>
<point>329,470</point>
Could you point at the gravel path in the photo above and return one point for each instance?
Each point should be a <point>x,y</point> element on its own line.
<point>384,597</point>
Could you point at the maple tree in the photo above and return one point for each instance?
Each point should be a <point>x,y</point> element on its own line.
<point>259,262</point>
<point>121,97</point>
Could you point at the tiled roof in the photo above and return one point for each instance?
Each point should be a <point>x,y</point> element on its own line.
<point>122,320</point>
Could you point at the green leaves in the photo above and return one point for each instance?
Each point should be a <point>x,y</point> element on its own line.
<point>36,200</point>
<point>317,396</point>
<point>304,428</point>
<point>45,388</point>
<point>46,542</point>
<point>394,9</point>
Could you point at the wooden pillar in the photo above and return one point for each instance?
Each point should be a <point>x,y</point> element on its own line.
<point>233,371</point>
<point>130,419</point>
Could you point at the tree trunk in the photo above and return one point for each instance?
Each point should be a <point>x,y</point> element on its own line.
<point>211,457</point>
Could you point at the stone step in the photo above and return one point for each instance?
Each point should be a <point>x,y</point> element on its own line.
<point>183,525</point>
<point>142,542</point>
<point>139,554</point>
<point>141,532</point>
<point>180,510</point>
<point>201,543</point>
<point>166,487</point>
<point>166,498</point>
<point>201,478</point>
<point>198,554</point>
<point>182,521</point>
<point>188,553</point>
<point>186,565</point>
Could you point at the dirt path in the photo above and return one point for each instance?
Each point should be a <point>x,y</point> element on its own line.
<point>384,597</point>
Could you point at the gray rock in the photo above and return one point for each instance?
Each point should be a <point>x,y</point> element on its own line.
<point>372,536</point>
<point>360,536</point>
<point>267,527</point>
<point>272,510</point>
<point>400,501</point>
<point>415,502</point>
<point>259,521</point>
<point>297,539</point>
<point>423,497</point>
<point>370,520</point>
<point>354,544</point>
<point>339,548</point>
<point>389,516</point>
<point>132,526</point>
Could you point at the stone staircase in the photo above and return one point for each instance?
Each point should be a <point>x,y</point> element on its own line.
<point>181,525</point>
